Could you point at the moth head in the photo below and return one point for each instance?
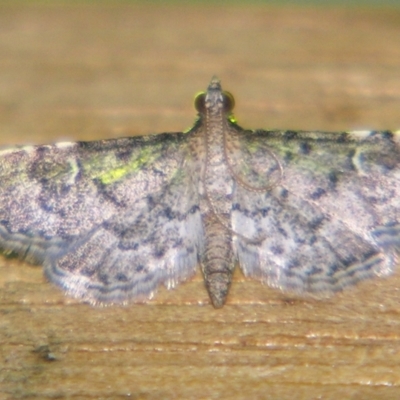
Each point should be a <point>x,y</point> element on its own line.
<point>226,101</point>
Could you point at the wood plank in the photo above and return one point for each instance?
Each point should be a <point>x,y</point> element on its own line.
<point>94,71</point>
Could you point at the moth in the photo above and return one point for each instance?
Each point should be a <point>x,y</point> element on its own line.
<point>111,220</point>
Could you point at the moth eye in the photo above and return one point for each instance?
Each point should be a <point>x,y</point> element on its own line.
<point>200,102</point>
<point>229,101</point>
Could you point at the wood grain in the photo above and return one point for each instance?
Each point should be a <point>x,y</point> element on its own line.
<point>115,69</point>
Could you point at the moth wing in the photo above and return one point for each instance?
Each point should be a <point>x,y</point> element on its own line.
<point>109,220</point>
<point>330,219</point>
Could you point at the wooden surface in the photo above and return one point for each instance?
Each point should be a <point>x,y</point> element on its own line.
<point>95,71</point>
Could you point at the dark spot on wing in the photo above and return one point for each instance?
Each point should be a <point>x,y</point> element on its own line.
<point>343,137</point>
<point>121,277</point>
<point>333,268</point>
<point>277,250</point>
<point>288,156</point>
<point>140,268</point>
<point>293,264</point>
<point>349,260</point>
<point>314,271</point>
<point>265,211</point>
<point>349,162</point>
<point>190,250</point>
<point>159,253</point>
<point>87,271</point>
<point>104,278</point>
<point>373,252</point>
<point>305,148</point>
<point>289,135</point>
<point>128,245</point>
<point>151,202</point>
<point>316,223</point>
<point>317,194</point>
<point>44,205</point>
<point>194,209</point>
<point>169,214</point>
<point>235,206</point>
<point>282,231</point>
<point>284,193</point>
<point>333,179</point>
<point>312,240</point>
<point>387,135</point>
<point>178,243</point>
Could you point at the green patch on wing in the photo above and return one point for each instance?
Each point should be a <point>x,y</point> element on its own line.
<point>145,157</point>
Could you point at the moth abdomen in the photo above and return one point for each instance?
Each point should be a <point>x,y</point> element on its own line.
<point>217,261</point>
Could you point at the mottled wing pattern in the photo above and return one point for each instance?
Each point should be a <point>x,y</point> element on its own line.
<point>252,162</point>
<point>329,220</point>
<point>110,220</point>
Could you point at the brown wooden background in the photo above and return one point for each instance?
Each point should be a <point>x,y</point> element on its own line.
<point>73,71</point>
